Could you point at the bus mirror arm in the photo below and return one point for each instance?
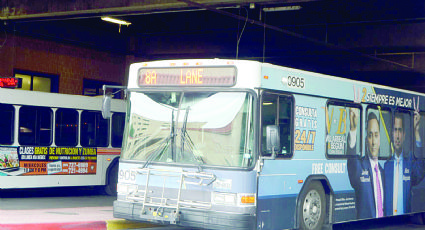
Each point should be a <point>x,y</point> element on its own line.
<point>107,98</point>
<point>271,157</point>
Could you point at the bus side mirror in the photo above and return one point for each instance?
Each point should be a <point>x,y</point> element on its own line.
<point>272,139</point>
<point>106,106</point>
<point>107,98</point>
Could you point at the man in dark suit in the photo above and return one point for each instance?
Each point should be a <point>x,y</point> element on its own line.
<point>402,171</point>
<point>365,173</point>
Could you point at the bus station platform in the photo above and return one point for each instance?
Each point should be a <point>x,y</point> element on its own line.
<point>83,218</point>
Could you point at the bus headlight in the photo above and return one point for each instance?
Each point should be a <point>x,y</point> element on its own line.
<point>240,199</point>
<point>126,188</point>
<point>222,198</point>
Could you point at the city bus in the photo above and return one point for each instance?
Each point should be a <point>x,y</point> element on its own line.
<point>236,144</point>
<point>58,140</point>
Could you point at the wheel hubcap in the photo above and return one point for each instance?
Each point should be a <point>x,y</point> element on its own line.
<point>312,209</point>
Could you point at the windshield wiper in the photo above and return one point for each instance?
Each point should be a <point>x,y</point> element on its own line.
<point>163,146</point>
<point>189,141</point>
<point>183,130</point>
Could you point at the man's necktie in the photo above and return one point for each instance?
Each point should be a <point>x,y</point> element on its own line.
<point>378,189</point>
<point>395,196</point>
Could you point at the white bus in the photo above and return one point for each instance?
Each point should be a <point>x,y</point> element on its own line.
<point>55,140</point>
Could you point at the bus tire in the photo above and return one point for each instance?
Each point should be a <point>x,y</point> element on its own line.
<point>112,180</point>
<point>312,207</point>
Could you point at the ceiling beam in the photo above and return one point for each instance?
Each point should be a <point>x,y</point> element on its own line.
<point>297,35</point>
<point>66,9</point>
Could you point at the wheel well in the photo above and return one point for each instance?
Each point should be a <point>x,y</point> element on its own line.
<point>329,194</point>
<point>329,200</point>
<point>111,165</point>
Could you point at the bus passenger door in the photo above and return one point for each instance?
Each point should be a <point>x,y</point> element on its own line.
<point>275,209</point>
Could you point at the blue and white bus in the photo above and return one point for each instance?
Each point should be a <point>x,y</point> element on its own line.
<point>233,144</point>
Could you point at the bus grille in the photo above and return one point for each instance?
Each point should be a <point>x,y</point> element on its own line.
<point>162,203</point>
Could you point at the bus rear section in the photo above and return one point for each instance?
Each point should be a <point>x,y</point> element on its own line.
<point>188,149</point>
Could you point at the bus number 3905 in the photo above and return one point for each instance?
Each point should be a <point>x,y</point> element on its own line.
<point>296,82</point>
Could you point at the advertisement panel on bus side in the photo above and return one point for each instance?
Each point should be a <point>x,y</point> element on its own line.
<point>36,160</point>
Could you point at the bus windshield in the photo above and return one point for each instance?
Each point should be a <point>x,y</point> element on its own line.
<point>200,128</point>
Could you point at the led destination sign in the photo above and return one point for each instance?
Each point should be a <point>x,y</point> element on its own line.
<point>187,76</point>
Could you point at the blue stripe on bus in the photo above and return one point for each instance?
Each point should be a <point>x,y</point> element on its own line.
<point>344,191</point>
<point>277,196</point>
<point>294,195</point>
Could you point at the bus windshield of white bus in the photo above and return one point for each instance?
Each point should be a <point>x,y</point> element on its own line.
<point>200,128</point>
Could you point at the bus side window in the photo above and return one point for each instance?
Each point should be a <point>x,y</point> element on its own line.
<point>285,112</point>
<point>35,125</point>
<point>343,129</point>
<point>94,129</point>
<point>45,116</point>
<point>419,152</point>
<point>277,110</point>
<point>385,122</point>
<point>7,120</point>
<point>66,130</point>
<point>402,121</point>
<point>118,121</point>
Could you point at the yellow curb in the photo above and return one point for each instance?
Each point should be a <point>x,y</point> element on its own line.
<point>125,224</point>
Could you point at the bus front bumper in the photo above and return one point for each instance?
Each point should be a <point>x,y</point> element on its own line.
<point>196,218</point>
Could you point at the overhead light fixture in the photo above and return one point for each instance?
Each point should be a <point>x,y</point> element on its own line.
<point>282,8</point>
<point>267,103</point>
<point>116,21</point>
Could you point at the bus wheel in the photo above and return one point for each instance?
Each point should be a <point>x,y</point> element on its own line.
<point>312,207</point>
<point>112,180</point>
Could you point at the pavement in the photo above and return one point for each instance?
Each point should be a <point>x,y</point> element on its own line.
<point>81,218</point>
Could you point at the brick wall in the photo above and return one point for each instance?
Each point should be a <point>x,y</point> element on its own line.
<point>72,63</point>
